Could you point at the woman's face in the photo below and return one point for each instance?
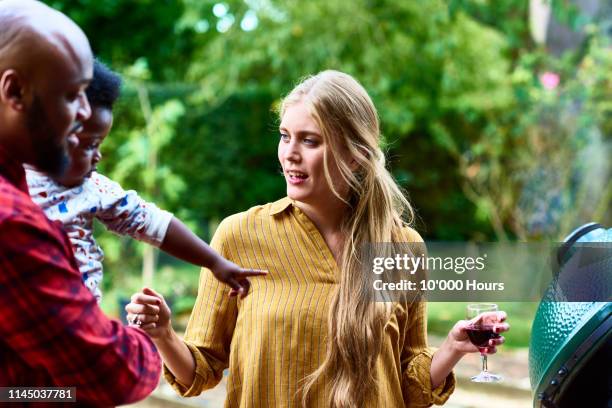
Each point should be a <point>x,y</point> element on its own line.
<point>300,153</point>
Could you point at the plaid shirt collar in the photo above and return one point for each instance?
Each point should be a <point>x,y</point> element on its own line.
<point>12,170</point>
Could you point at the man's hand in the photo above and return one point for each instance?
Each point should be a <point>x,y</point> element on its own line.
<point>149,311</point>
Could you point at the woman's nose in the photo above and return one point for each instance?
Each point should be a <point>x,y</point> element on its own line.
<point>291,152</point>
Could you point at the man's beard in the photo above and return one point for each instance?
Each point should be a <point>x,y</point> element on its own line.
<point>50,150</point>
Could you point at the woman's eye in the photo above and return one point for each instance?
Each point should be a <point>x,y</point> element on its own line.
<point>284,137</point>
<point>311,142</point>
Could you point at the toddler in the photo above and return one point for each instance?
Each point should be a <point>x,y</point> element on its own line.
<point>82,194</point>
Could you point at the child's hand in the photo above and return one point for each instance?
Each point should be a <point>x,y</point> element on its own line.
<point>148,310</point>
<point>234,276</point>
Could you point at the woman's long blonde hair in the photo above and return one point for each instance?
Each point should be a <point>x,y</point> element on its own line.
<point>348,122</point>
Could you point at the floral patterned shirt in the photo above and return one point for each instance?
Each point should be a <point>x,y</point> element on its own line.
<point>122,212</point>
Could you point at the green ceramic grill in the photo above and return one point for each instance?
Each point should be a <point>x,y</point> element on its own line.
<point>570,353</point>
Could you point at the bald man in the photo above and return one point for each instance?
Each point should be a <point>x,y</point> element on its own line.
<point>52,332</point>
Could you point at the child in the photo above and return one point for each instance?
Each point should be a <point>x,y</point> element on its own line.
<point>81,194</point>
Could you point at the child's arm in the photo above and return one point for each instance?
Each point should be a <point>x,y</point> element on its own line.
<point>125,213</point>
<point>181,243</point>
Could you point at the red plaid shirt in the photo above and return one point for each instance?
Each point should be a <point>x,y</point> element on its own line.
<point>52,332</point>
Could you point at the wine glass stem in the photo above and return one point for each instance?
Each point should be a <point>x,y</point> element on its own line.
<point>484,362</point>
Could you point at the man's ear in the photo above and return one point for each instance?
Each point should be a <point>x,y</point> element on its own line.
<point>12,89</point>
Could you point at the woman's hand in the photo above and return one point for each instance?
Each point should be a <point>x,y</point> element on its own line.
<point>460,341</point>
<point>457,344</point>
<point>149,311</point>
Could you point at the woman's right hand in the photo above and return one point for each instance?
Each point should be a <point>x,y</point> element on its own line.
<point>149,311</point>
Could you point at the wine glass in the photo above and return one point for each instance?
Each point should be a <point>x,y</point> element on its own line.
<point>480,331</point>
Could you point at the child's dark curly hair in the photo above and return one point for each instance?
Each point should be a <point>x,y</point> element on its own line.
<point>104,88</point>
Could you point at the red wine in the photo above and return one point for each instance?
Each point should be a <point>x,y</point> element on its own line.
<point>480,335</point>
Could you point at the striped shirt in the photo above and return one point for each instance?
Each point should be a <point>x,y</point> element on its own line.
<point>276,336</point>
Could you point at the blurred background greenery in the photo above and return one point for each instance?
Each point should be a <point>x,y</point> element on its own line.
<point>496,130</point>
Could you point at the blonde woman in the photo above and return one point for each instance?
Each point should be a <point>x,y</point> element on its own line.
<point>309,333</point>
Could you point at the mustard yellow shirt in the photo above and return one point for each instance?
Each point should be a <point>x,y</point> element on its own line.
<point>276,336</point>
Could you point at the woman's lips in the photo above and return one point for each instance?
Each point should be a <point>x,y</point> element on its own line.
<point>296,178</point>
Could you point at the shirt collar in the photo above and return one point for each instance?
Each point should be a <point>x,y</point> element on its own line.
<point>281,205</point>
<point>12,170</point>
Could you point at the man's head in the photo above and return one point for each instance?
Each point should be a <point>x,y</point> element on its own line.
<point>102,93</point>
<point>45,67</point>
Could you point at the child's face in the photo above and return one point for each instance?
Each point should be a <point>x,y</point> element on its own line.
<point>85,156</point>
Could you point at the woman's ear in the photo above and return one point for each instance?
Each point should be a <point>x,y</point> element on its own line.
<point>353,165</point>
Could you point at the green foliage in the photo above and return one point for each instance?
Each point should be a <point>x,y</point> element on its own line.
<point>421,67</point>
<point>482,148</point>
<point>178,282</point>
<point>121,31</point>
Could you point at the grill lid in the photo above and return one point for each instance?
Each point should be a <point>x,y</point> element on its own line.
<point>569,338</point>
